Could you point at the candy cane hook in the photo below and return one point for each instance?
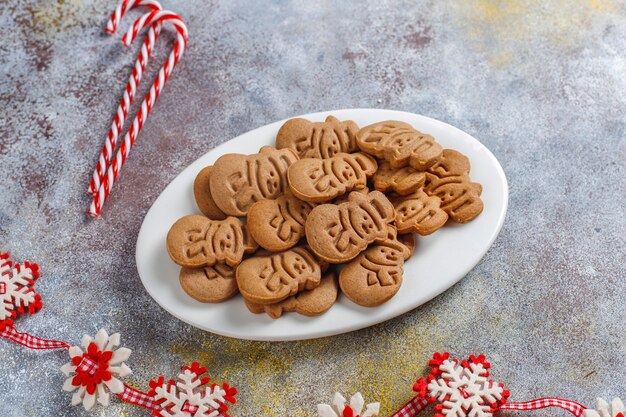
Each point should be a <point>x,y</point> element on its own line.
<point>146,106</point>
<point>131,87</point>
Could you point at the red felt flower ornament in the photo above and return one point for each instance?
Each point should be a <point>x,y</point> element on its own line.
<point>95,369</point>
<point>339,408</point>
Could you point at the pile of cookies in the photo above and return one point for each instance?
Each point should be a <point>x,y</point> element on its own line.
<point>330,207</point>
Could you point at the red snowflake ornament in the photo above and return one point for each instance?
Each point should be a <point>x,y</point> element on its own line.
<point>461,388</point>
<point>190,397</point>
<point>16,293</point>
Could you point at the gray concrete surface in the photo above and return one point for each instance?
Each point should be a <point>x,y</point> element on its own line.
<point>541,83</point>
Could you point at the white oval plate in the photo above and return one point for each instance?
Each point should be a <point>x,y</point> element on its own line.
<point>440,261</point>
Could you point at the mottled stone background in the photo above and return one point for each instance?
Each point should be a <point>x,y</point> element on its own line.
<point>541,83</point>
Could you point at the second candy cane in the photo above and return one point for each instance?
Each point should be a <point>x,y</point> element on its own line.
<point>131,87</point>
<point>146,106</point>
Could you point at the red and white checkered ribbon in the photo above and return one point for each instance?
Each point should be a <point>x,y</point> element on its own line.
<point>412,408</point>
<point>87,365</point>
<point>130,395</point>
<point>139,398</point>
<point>571,406</point>
<point>32,342</point>
<point>142,399</point>
<point>417,404</point>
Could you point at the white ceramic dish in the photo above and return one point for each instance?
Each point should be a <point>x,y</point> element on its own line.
<point>440,261</point>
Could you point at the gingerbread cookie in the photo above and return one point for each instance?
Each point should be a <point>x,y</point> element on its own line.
<point>403,180</point>
<point>321,180</point>
<point>270,279</point>
<point>408,240</point>
<point>343,198</point>
<point>419,213</point>
<point>308,303</point>
<point>449,180</point>
<point>254,307</point>
<point>202,193</point>
<point>211,284</point>
<point>238,181</point>
<point>400,144</point>
<point>195,241</point>
<point>452,163</point>
<point>277,225</point>
<point>338,233</point>
<point>376,274</point>
<point>460,197</point>
<point>318,139</point>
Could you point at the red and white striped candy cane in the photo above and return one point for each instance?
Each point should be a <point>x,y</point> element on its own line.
<point>120,11</point>
<point>146,106</point>
<point>131,86</point>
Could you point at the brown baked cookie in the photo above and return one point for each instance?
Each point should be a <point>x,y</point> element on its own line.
<point>343,198</point>
<point>308,303</point>
<point>338,233</point>
<point>254,308</point>
<point>270,279</point>
<point>195,241</point>
<point>202,193</point>
<point>238,181</point>
<point>452,163</point>
<point>211,284</point>
<point>318,139</point>
<point>460,197</point>
<point>403,180</point>
<point>277,225</point>
<point>376,274</point>
<point>321,180</point>
<point>419,213</point>
<point>408,240</point>
<point>400,144</point>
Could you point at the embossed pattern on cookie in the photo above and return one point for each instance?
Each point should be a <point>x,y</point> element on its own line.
<point>318,139</point>
<point>403,180</point>
<point>338,233</point>
<point>343,198</point>
<point>460,197</point>
<point>277,225</point>
<point>452,164</point>
<point>238,181</point>
<point>449,180</point>
<point>195,241</point>
<point>270,279</point>
<point>308,303</point>
<point>376,274</point>
<point>321,180</point>
<point>211,284</point>
<point>419,213</point>
<point>400,144</point>
<point>202,194</point>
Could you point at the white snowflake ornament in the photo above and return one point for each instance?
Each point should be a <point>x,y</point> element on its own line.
<point>340,409</point>
<point>93,369</point>
<point>461,389</point>
<point>604,409</point>
<point>190,397</point>
<point>17,295</point>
